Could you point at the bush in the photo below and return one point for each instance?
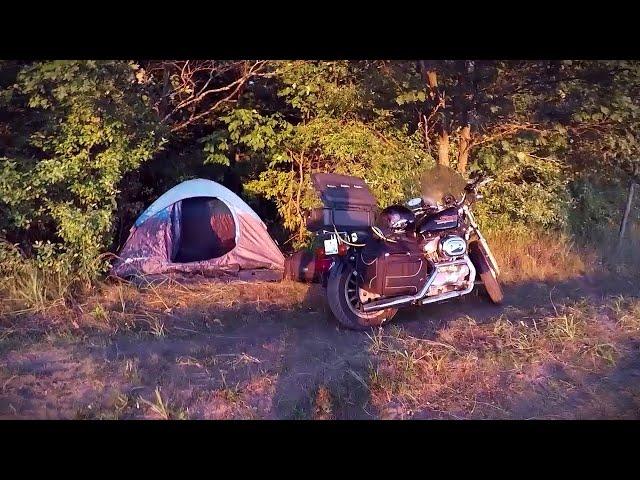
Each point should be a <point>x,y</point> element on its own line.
<point>85,124</point>
<point>528,190</point>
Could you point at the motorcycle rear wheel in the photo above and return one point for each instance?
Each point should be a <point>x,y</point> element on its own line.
<point>344,302</point>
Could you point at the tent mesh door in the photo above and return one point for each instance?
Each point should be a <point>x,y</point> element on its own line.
<point>207,230</point>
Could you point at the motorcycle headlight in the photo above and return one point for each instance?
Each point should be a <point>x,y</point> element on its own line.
<point>453,246</point>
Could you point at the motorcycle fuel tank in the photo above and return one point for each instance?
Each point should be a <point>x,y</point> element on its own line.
<point>443,220</point>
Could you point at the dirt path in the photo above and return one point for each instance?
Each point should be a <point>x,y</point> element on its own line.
<point>272,352</point>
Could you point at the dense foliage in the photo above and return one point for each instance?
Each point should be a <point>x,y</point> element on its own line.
<point>75,129</point>
<point>84,145</point>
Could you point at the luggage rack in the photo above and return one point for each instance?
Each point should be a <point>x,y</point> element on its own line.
<point>333,232</point>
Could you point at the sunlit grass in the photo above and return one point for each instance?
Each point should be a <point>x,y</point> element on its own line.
<point>467,361</point>
<point>525,255</point>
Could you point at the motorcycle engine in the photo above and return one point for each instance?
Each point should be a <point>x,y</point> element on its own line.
<point>453,246</point>
<point>443,249</point>
<point>449,278</point>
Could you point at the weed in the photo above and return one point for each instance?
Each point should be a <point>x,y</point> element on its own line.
<point>565,327</point>
<point>627,312</point>
<point>164,410</point>
<point>131,370</point>
<point>323,408</point>
<point>244,359</point>
<point>156,325</point>
<point>538,255</point>
<point>100,313</point>
<point>605,351</point>
<point>188,361</point>
<point>37,291</point>
<point>376,341</point>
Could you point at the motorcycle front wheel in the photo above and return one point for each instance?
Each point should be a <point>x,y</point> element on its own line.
<point>487,274</point>
<point>344,301</point>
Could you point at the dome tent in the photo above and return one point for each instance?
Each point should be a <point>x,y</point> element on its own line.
<point>199,226</point>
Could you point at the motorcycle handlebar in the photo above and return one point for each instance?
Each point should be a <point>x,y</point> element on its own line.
<point>478,183</point>
<point>472,188</point>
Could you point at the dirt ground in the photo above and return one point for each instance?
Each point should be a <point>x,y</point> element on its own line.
<point>566,350</point>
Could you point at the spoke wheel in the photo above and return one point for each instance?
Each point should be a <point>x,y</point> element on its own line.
<point>487,274</point>
<point>352,295</point>
<point>343,296</point>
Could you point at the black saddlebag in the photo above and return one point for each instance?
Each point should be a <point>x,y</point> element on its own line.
<point>391,269</point>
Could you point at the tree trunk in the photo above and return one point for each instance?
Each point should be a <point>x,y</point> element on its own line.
<point>469,93</point>
<point>431,77</point>
<point>443,147</point>
<point>302,227</point>
<point>230,178</point>
<point>625,217</point>
<point>463,148</point>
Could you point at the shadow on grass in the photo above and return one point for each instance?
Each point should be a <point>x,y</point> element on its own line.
<point>318,369</point>
<point>568,394</point>
<point>251,360</point>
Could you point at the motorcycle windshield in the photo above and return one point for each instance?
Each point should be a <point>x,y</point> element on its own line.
<point>440,181</point>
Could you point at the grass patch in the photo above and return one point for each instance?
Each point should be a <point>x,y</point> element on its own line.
<point>525,255</point>
<point>31,290</point>
<point>163,409</point>
<point>478,369</point>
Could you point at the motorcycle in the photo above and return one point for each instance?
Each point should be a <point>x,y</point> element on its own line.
<point>428,250</point>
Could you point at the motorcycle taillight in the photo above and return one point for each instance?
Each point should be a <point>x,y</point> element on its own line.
<point>322,264</point>
<point>342,249</point>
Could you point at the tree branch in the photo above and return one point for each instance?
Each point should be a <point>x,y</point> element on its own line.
<point>199,88</point>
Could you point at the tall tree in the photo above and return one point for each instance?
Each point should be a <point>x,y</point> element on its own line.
<point>438,108</point>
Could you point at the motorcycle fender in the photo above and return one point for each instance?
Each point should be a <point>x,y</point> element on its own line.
<point>334,264</point>
<point>489,255</point>
<point>476,253</point>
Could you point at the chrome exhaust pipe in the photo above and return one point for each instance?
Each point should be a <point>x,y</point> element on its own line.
<point>405,299</point>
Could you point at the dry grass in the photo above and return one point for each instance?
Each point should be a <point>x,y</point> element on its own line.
<point>250,399</point>
<point>170,295</point>
<point>525,256</point>
<point>163,409</point>
<point>478,370</point>
<point>304,367</point>
<point>32,291</point>
<point>468,368</point>
<point>156,309</point>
